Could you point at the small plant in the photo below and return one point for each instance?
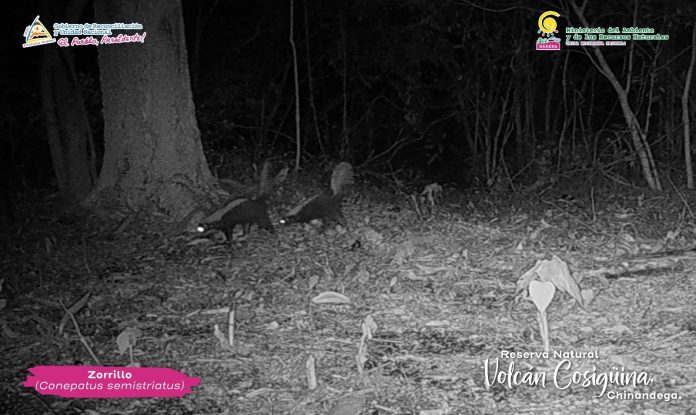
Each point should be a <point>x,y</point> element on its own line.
<point>126,341</point>
<point>541,294</point>
<point>540,284</point>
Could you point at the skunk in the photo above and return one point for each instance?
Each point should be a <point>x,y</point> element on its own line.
<point>244,211</point>
<point>324,206</point>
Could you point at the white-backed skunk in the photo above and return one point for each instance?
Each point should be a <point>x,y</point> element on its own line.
<point>324,206</point>
<point>244,211</point>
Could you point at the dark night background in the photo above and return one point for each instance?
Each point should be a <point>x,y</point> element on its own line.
<point>428,86</point>
<point>533,150</point>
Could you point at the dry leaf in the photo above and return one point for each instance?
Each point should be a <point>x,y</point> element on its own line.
<point>330,297</point>
<point>128,338</point>
<point>368,326</point>
<point>313,281</point>
<point>443,411</point>
<point>617,329</point>
<point>587,296</point>
<point>220,336</point>
<point>199,241</point>
<point>311,373</point>
<point>431,270</point>
<point>348,405</point>
<point>556,271</point>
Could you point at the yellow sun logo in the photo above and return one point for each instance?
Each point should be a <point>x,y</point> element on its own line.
<point>547,23</point>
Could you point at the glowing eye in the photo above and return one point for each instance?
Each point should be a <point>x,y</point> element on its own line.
<point>200,229</point>
<point>283,221</point>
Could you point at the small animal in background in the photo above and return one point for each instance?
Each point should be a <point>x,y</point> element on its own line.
<point>324,206</point>
<point>243,211</point>
<point>425,203</point>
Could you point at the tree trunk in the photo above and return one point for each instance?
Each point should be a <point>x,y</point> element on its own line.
<point>68,130</point>
<point>685,112</point>
<point>153,157</point>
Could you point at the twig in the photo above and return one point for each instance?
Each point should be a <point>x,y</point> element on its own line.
<point>594,206</point>
<point>681,196</point>
<point>79,334</point>
<point>298,142</point>
<point>310,81</point>
<point>575,219</point>
<point>685,112</point>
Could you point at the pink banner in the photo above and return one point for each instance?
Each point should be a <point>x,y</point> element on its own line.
<point>109,382</point>
<point>548,46</point>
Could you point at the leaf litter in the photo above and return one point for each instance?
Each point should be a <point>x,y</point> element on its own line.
<point>308,322</point>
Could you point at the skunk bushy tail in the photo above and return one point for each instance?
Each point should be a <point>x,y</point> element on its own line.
<point>265,184</point>
<point>268,183</point>
<point>324,206</point>
<point>341,178</point>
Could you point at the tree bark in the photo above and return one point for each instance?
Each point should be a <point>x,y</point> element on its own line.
<point>685,112</point>
<point>153,157</point>
<point>67,126</point>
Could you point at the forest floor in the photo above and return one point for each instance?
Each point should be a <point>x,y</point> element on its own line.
<point>432,304</point>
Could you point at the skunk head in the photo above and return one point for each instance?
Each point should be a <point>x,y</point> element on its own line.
<point>300,212</point>
<point>208,222</point>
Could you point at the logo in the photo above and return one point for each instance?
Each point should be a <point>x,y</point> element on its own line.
<point>547,27</point>
<point>36,34</point>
